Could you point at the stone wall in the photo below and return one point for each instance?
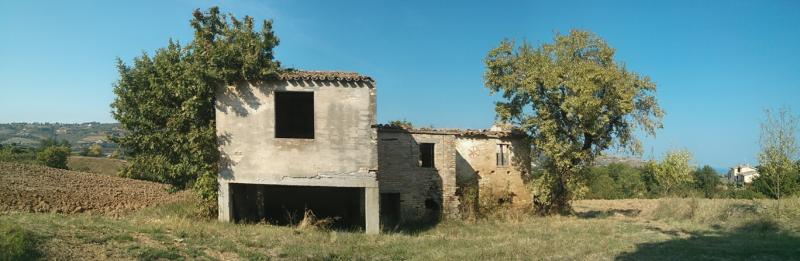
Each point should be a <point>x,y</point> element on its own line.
<point>461,162</point>
<point>400,172</point>
<point>477,167</point>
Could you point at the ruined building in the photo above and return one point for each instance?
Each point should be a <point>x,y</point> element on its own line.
<point>309,140</point>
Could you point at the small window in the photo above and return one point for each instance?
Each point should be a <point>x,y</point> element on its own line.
<point>294,115</point>
<point>426,155</point>
<point>502,154</point>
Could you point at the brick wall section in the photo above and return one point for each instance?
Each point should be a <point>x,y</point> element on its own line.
<point>399,172</point>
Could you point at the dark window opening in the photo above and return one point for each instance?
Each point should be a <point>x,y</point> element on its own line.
<point>390,209</point>
<point>432,210</point>
<point>294,115</point>
<point>286,205</point>
<point>426,155</point>
<point>502,154</point>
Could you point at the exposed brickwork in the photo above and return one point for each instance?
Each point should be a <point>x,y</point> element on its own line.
<point>477,165</point>
<point>460,161</point>
<point>400,172</point>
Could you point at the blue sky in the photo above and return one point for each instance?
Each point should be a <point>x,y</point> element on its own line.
<point>718,64</point>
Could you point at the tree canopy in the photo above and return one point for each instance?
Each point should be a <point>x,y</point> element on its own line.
<point>166,102</point>
<point>778,159</point>
<point>575,101</point>
<point>674,172</point>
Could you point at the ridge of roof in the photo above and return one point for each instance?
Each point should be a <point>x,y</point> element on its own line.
<point>299,75</point>
<point>458,132</point>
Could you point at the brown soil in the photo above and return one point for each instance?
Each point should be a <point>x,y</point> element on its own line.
<point>32,188</point>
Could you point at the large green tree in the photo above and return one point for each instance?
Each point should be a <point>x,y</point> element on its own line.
<point>166,102</point>
<point>575,101</point>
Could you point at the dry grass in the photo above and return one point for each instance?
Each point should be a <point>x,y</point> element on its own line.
<point>675,229</point>
<point>103,166</point>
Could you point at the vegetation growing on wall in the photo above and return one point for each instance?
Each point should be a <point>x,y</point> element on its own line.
<point>166,102</point>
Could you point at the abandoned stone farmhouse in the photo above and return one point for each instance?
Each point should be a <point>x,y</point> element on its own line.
<point>310,141</point>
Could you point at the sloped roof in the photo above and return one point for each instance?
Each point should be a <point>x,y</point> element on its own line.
<point>294,75</point>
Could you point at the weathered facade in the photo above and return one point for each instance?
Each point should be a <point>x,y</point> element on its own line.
<point>309,140</point>
<point>308,134</point>
<point>484,165</point>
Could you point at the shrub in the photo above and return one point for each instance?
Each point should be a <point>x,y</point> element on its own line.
<point>744,194</point>
<point>616,181</point>
<point>16,244</point>
<point>54,157</point>
<point>12,153</point>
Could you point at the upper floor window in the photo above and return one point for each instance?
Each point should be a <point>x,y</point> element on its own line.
<point>294,115</point>
<point>502,155</point>
<point>426,155</point>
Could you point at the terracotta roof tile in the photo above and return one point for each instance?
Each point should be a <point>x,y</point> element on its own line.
<point>324,76</point>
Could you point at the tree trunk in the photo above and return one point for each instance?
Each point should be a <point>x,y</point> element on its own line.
<point>558,200</point>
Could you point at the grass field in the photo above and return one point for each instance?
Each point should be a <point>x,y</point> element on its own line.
<point>104,166</point>
<point>663,229</point>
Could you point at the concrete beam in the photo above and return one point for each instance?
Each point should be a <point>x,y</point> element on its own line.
<point>372,210</point>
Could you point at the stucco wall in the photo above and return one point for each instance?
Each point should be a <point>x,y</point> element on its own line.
<point>342,153</point>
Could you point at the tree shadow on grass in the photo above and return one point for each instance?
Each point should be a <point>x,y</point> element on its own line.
<point>609,213</point>
<point>759,240</point>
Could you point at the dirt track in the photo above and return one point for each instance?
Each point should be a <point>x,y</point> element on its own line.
<point>33,188</point>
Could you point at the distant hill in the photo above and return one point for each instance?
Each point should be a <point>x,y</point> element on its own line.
<point>605,160</point>
<point>79,135</point>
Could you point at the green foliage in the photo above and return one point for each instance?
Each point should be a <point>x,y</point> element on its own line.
<point>616,181</point>
<point>779,169</point>
<point>673,174</point>
<point>14,153</point>
<point>742,193</point>
<point>95,150</point>
<point>401,124</point>
<point>54,157</point>
<point>50,142</point>
<point>166,102</point>
<point>575,101</point>
<point>707,181</point>
<point>16,243</point>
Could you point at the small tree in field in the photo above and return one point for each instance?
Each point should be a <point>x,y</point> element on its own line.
<point>674,172</point>
<point>54,156</point>
<point>706,180</point>
<point>779,152</point>
<point>575,101</point>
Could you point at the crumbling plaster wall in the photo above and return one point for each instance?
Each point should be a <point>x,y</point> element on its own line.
<point>344,148</point>
<point>343,152</point>
<point>477,165</point>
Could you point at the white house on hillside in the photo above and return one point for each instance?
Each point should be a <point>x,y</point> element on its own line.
<point>742,174</point>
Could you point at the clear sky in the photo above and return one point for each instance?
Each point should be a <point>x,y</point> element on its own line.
<point>717,64</point>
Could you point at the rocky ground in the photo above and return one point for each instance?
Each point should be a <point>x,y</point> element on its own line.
<point>30,188</point>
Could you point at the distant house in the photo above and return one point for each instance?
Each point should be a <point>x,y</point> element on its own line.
<point>742,174</point>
